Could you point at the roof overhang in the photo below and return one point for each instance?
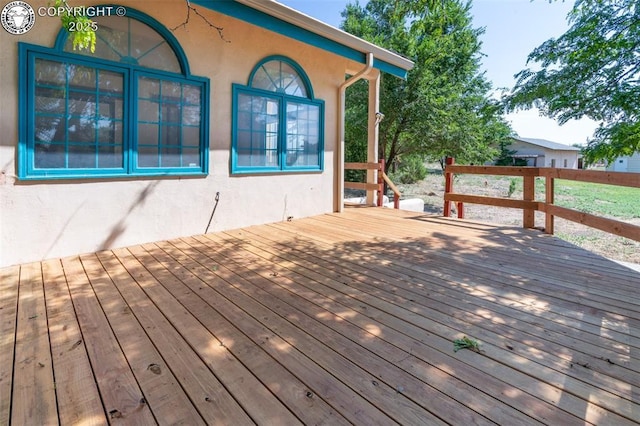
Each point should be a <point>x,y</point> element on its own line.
<point>273,16</point>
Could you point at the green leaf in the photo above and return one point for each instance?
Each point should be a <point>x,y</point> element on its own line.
<point>80,28</point>
<point>466,343</point>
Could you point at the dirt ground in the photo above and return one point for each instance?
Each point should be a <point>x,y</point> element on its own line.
<point>431,190</point>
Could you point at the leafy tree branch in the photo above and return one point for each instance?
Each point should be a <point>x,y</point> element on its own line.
<point>592,70</point>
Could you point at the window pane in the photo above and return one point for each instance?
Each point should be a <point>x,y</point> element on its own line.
<point>279,76</point>
<point>111,106</point>
<point>50,101</point>
<point>170,135</point>
<point>160,54</point>
<point>171,91</point>
<point>171,156</point>
<point>49,156</point>
<point>82,130</point>
<point>82,104</point>
<point>291,82</point>
<point>257,131</point>
<point>50,73</point>
<point>123,39</point>
<point>191,136</point>
<point>110,156</point>
<point>82,77</point>
<point>191,95</point>
<point>110,82</point>
<point>110,132</point>
<point>191,115</point>
<point>190,157</point>
<point>50,129</point>
<point>148,134</point>
<point>148,88</point>
<point>169,118</point>
<point>149,111</point>
<point>82,156</point>
<point>68,124</point>
<point>170,113</point>
<point>148,156</point>
<point>303,130</point>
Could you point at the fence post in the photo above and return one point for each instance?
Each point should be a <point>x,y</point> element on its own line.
<point>380,182</point>
<point>549,189</point>
<point>448,185</point>
<point>528,215</point>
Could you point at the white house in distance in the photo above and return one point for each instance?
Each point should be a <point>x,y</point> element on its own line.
<point>626,164</point>
<point>544,153</point>
<point>170,130</point>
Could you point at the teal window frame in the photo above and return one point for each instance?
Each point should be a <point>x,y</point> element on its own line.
<point>131,72</point>
<point>283,100</point>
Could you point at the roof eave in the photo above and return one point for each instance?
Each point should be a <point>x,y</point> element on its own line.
<point>288,14</point>
<point>385,60</point>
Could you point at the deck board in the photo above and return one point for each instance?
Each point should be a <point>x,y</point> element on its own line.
<point>76,391</point>
<point>33,364</point>
<point>336,319</point>
<point>9,281</point>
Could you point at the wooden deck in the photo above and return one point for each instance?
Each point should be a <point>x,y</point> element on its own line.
<point>336,319</point>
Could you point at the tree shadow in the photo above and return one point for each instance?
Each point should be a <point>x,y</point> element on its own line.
<point>352,317</point>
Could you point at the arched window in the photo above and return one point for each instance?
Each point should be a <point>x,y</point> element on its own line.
<point>277,123</point>
<point>129,108</point>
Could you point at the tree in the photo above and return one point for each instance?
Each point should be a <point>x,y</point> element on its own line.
<point>593,71</point>
<point>505,157</point>
<point>443,108</point>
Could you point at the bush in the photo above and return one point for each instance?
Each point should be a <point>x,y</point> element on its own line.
<point>512,187</point>
<point>411,170</point>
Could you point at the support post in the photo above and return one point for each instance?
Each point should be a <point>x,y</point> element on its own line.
<point>380,182</point>
<point>448,185</point>
<point>529,215</point>
<point>549,196</point>
<point>372,127</point>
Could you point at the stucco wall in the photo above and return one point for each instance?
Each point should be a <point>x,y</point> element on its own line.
<point>47,219</point>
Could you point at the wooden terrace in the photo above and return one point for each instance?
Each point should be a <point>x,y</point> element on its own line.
<point>336,319</point>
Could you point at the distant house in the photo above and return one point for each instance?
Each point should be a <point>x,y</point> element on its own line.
<point>544,153</point>
<point>626,164</point>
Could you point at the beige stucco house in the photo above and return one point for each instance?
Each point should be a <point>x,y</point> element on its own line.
<point>170,130</point>
<point>544,153</point>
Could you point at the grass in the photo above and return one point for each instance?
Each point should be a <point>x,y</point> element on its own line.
<point>598,199</point>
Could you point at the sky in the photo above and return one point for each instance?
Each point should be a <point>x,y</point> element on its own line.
<point>513,28</point>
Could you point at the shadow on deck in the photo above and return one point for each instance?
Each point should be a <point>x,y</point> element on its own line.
<point>335,319</point>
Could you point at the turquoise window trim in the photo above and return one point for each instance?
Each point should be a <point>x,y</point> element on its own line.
<point>305,78</point>
<point>28,54</point>
<point>263,20</point>
<point>283,100</point>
